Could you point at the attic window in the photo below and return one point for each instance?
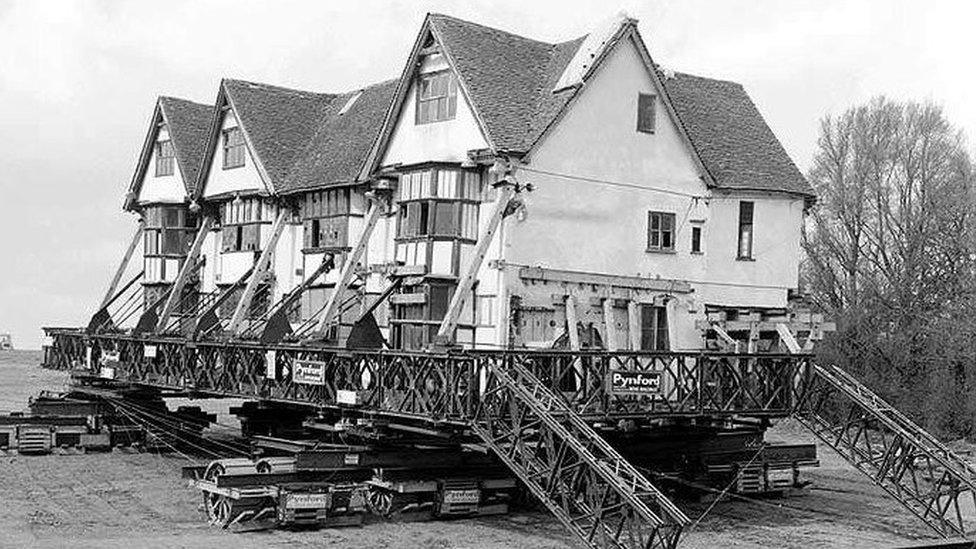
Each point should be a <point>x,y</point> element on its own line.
<point>436,97</point>
<point>165,158</point>
<point>233,148</point>
<point>645,112</point>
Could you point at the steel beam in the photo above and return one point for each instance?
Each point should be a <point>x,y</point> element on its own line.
<point>123,265</point>
<point>176,290</point>
<point>260,270</point>
<point>506,191</point>
<point>376,208</point>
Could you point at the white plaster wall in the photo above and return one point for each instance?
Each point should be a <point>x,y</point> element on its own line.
<point>220,181</point>
<point>777,222</point>
<point>586,226</point>
<point>597,227</point>
<point>447,141</point>
<point>167,189</point>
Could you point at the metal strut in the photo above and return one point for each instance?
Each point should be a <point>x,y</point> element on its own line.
<point>580,478</point>
<point>189,266</point>
<point>899,456</point>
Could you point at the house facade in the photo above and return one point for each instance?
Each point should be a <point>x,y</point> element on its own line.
<point>502,192</point>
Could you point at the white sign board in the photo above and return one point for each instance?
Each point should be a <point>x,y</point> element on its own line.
<point>620,382</point>
<point>309,372</point>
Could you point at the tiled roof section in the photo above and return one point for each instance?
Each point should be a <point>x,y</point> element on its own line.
<point>279,121</point>
<point>733,140</point>
<point>509,78</point>
<point>189,126</point>
<point>336,153</point>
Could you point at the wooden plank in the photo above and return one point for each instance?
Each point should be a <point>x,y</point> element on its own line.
<point>409,299</point>
<point>376,208</point>
<point>726,338</point>
<point>788,339</point>
<point>446,331</point>
<point>176,292</point>
<point>123,265</point>
<point>634,325</point>
<point>260,269</point>
<point>543,274</point>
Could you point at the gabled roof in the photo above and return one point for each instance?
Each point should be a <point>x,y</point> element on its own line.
<point>733,140</point>
<point>336,153</point>
<point>300,139</point>
<point>510,80</point>
<point>187,123</point>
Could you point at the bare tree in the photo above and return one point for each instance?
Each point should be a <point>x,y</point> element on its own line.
<point>890,248</point>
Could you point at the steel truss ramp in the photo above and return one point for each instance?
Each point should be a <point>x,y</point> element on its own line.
<point>909,463</point>
<point>580,478</point>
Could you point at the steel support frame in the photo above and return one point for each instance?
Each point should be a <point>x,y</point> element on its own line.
<point>580,478</point>
<point>897,455</point>
<point>448,386</point>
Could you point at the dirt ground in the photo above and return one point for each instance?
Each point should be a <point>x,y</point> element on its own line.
<point>138,500</point>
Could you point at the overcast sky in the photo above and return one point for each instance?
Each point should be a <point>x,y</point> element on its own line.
<point>78,81</point>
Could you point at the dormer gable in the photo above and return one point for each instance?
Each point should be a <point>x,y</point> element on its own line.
<point>169,161</point>
<point>259,132</point>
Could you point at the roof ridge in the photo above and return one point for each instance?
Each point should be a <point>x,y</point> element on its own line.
<point>700,77</point>
<point>183,100</point>
<point>274,87</point>
<point>493,29</point>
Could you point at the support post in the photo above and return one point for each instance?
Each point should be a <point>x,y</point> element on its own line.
<point>611,331</point>
<point>634,325</point>
<point>376,208</point>
<point>260,269</point>
<point>788,339</point>
<point>176,291</point>
<point>125,263</point>
<point>574,340</point>
<point>725,337</point>
<point>506,191</point>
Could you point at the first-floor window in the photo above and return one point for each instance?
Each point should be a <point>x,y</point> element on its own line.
<point>745,229</point>
<point>696,239</point>
<point>660,232</point>
<point>654,328</point>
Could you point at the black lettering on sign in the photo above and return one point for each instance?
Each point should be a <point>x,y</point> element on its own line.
<point>309,372</point>
<point>633,383</point>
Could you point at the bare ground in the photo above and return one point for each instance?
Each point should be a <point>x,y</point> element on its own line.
<point>138,500</point>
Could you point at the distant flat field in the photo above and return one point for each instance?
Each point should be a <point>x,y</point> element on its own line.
<point>120,500</point>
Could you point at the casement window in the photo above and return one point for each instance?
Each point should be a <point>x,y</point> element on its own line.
<point>696,239</point>
<point>325,219</point>
<point>646,112</point>
<point>439,202</point>
<point>169,231</point>
<point>654,328</point>
<point>240,224</point>
<point>745,229</point>
<point>233,148</point>
<point>165,159</point>
<point>660,232</point>
<point>436,97</point>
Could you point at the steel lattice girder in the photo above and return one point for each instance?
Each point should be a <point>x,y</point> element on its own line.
<point>583,481</point>
<point>900,457</point>
<point>447,386</point>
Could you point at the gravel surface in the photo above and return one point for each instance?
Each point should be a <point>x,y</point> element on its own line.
<point>138,500</point>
